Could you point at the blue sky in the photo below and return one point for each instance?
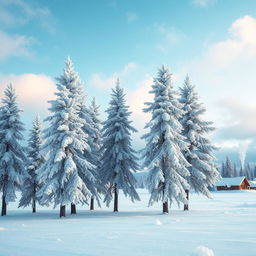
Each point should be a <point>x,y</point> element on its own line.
<point>214,41</point>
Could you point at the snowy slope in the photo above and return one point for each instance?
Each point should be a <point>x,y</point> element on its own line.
<point>225,224</point>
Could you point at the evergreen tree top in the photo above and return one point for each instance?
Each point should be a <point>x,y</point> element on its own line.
<point>10,101</point>
<point>193,109</point>
<point>117,110</point>
<point>94,110</point>
<point>71,80</point>
<point>11,114</point>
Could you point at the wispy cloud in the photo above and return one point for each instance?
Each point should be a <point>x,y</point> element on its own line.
<point>20,12</point>
<point>169,36</point>
<point>203,3</point>
<point>14,45</point>
<point>103,81</point>
<point>15,13</point>
<point>131,17</point>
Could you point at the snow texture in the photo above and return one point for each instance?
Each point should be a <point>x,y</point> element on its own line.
<point>224,224</point>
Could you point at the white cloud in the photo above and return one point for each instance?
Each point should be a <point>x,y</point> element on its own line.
<point>103,81</point>
<point>238,122</point>
<point>225,79</point>
<point>33,91</point>
<point>241,43</point>
<point>14,45</point>
<point>136,99</point>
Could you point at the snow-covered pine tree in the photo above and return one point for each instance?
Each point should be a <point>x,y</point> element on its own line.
<point>164,144</point>
<point>241,172</point>
<point>96,143</point>
<point>65,143</point>
<point>12,154</point>
<point>200,151</point>
<point>254,172</point>
<point>229,168</point>
<point>235,171</point>
<point>118,160</point>
<point>248,171</point>
<point>223,170</point>
<point>70,79</point>
<point>35,159</point>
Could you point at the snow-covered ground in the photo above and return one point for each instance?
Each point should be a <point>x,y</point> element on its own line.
<point>224,226</point>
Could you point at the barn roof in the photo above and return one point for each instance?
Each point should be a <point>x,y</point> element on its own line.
<point>236,181</point>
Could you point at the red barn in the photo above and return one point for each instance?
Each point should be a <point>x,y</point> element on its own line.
<point>236,183</point>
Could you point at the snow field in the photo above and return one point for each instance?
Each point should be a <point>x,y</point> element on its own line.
<point>222,226</point>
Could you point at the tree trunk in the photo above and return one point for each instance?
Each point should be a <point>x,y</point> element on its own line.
<point>165,204</point>
<point>34,206</point>
<point>62,211</point>
<point>34,200</point>
<point>187,196</point>
<point>116,200</point>
<point>92,204</point>
<point>3,206</point>
<point>165,207</point>
<point>73,209</point>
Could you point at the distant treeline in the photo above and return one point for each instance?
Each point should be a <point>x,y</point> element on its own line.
<point>229,169</point>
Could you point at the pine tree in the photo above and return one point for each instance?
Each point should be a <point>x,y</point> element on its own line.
<point>241,173</point>
<point>235,171</point>
<point>254,172</point>
<point>65,145</point>
<point>96,143</point>
<point>118,160</point>
<point>35,160</point>
<point>229,168</point>
<point>12,156</point>
<point>70,79</point>
<point>248,171</point>
<point>223,170</point>
<point>164,144</point>
<point>200,152</point>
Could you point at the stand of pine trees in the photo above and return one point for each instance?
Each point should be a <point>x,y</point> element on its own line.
<point>229,170</point>
<point>78,159</point>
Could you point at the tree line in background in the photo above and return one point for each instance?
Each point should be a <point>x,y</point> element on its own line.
<point>229,170</point>
<point>77,159</point>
